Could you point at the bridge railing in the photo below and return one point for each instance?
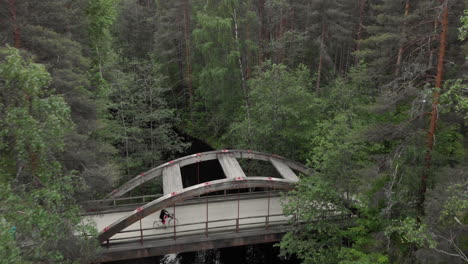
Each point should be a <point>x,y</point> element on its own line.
<point>95,206</point>
<point>107,204</point>
<point>202,228</point>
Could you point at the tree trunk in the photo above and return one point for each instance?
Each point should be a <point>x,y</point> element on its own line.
<point>340,69</point>
<point>431,52</point>
<point>262,33</point>
<point>400,50</point>
<point>336,56</point>
<point>187,50</point>
<point>248,70</point>
<point>362,4</point>
<point>319,71</point>
<point>293,20</point>
<point>346,61</point>
<point>152,125</point>
<point>14,22</point>
<point>68,26</point>
<point>243,79</point>
<point>434,113</point>
<point>124,125</point>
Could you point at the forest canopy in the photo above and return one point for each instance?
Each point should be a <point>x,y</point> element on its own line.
<point>371,94</point>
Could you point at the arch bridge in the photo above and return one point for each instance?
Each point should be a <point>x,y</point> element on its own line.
<point>204,221</point>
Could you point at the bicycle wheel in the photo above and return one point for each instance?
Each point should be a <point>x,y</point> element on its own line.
<point>172,221</point>
<point>157,224</point>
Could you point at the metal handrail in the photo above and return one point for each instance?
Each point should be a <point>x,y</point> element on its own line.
<point>168,235</point>
<point>104,204</point>
<point>215,229</point>
<point>198,223</point>
<point>237,226</point>
<point>165,235</point>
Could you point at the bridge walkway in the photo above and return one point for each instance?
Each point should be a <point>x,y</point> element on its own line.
<point>198,218</point>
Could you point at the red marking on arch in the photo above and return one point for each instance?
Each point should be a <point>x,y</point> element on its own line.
<point>170,162</point>
<point>270,178</point>
<point>239,178</point>
<point>198,154</point>
<point>142,174</point>
<point>224,150</point>
<point>106,228</point>
<point>173,193</point>
<point>115,190</point>
<point>139,209</point>
<point>207,183</point>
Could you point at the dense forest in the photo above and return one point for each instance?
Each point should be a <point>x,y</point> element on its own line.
<point>371,94</point>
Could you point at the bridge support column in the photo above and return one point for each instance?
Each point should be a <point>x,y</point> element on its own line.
<point>206,223</point>
<point>268,211</point>
<point>238,209</point>
<point>141,233</point>
<point>175,223</point>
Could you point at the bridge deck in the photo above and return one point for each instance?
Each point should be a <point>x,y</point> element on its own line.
<point>158,247</point>
<point>192,218</point>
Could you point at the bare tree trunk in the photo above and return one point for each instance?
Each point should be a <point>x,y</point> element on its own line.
<point>14,22</point>
<point>153,154</point>
<point>262,32</point>
<point>68,26</point>
<point>187,50</point>
<point>124,125</point>
<point>431,52</point>
<point>335,58</point>
<point>243,79</point>
<point>362,4</point>
<point>401,49</point>
<point>319,71</point>
<point>293,20</point>
<point>248,70</point>
<point>347,60</point>
<point>282,26</point>
<point>340,71</point>
<point>434,113</point>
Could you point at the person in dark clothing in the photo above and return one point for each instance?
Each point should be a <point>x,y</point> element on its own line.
<point>164,215</point>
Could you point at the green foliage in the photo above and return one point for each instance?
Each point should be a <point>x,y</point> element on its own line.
<point>118,64</point>
<point>411,232</point>
<point>318,205</point>
<point>455,98</point>
<point>280,113</point>
<point>102,15</point>
<point>86,151</point>
<point>352,256</point>
<point>146,122</point>
<point>33,121</point>
<point>43,225</point>
<point>455,210</point>
<point>39,214</point>
<point>463,29</point>
<point>217,76</point>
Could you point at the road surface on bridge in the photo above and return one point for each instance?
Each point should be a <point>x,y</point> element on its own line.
<point>192,219</point>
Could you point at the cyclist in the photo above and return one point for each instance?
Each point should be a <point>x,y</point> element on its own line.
<point>164,215</point>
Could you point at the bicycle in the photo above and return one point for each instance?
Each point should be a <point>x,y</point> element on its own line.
<point>170,220</point>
